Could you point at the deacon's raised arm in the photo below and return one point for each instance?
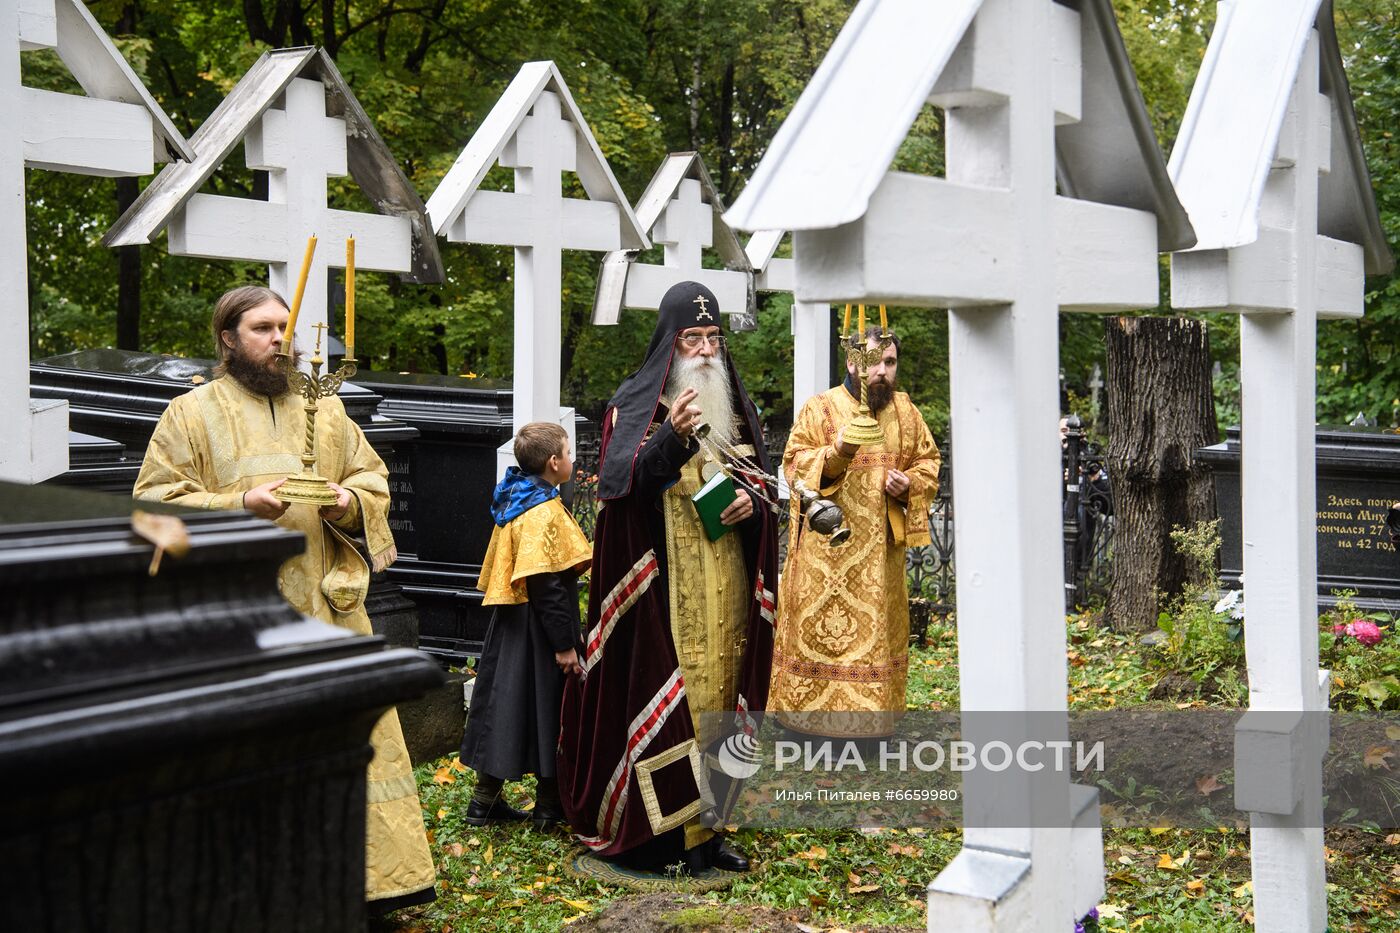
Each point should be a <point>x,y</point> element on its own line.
<point>812,454</point>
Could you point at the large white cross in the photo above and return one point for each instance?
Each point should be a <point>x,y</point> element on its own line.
<point>810,321</point>
<point>1280,283</point>
<point>994,243</point>
<point>61,132</point>
<point>685,228</point>
<point>299,146</point>
<point>540,223</point>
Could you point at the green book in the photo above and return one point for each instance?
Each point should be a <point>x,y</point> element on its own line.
<point>713,498</point>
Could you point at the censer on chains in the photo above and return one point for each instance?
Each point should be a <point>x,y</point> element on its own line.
<point>822,515</point>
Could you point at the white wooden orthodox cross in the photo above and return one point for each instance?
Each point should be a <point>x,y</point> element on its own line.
<point>995,244</point>
<point>810,320</point>
<point>682,210</point>
<point>117,131</point>
<point>300,147</point>
<point>536,129</point>
<point>1271,170</point>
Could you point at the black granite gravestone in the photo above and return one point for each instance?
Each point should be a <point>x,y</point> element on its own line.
<point>441,487</point>
<point>1358,477</point>
<point>178,752</point>
<point>120,395</point>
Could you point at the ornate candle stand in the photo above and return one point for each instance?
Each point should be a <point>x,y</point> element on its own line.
<point>308,486</point>
<point>863,430</point>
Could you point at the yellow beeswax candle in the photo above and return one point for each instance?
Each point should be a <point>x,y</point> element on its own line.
<point>296,299</point>
<point>350,298</point>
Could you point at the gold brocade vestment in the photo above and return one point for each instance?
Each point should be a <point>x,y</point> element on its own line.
<point>842,642</point>
<point>220,440</point>
<point>544,539</point>
<point>710,599</point>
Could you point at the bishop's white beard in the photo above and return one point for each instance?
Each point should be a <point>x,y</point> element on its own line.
<point>709,377</point>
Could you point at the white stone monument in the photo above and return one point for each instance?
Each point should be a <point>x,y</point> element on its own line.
<point>536,129</point>
<point>682,210</point>
<point>1037,95</point>
<point>299,122</point>
<point>1269,166</point>
<point>116,130</point>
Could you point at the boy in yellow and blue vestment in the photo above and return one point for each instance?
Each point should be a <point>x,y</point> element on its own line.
<point>530,575</point>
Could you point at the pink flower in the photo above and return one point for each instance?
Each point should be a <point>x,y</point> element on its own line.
<point>1364,631</point>
<point>1340,629</point>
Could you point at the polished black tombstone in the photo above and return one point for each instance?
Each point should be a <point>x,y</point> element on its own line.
<point>441,487</point>
<point>119,395</point>
<point>1358,477</point>
<point>178,752</point>
<point>100,464</point>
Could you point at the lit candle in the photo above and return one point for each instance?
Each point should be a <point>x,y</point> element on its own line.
<point>350,298</point>
<point>860,311</point>
<point>846,327</point>
<point>291,328</point>
<point>884,323</point>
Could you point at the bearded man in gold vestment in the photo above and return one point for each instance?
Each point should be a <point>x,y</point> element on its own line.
<point>841,658</point>
<point>229,445</point>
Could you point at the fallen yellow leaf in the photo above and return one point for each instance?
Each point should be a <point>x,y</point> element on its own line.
<point>457,765</point>
<point>167,532</point>
<point>442,813</point>
<point>489,854</point>
<point>861,888</point>
<point>1244,890</point>
<point>444,776</point>
<point>576,905</point>
<point>1208,784</point>
<point>1376,755</point>
<point>1195,887</point>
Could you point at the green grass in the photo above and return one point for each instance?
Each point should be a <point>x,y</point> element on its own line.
<point>1157,880</point>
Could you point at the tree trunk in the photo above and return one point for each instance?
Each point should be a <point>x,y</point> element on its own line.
<point>128,276</point>
<point>1162,410</point>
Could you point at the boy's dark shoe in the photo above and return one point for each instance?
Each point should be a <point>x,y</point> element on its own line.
<point>546,818</point>
<point>478,814</point>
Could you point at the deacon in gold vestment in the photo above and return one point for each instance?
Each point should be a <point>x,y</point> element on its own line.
<point>227,445</point>
<point>843,612</point>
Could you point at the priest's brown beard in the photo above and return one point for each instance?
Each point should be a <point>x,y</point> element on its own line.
<point>260,378</point>
<point>879,394</point>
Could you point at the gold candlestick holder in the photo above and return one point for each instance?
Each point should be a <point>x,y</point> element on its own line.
<point>863,430</point>
<point>308,486</point>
